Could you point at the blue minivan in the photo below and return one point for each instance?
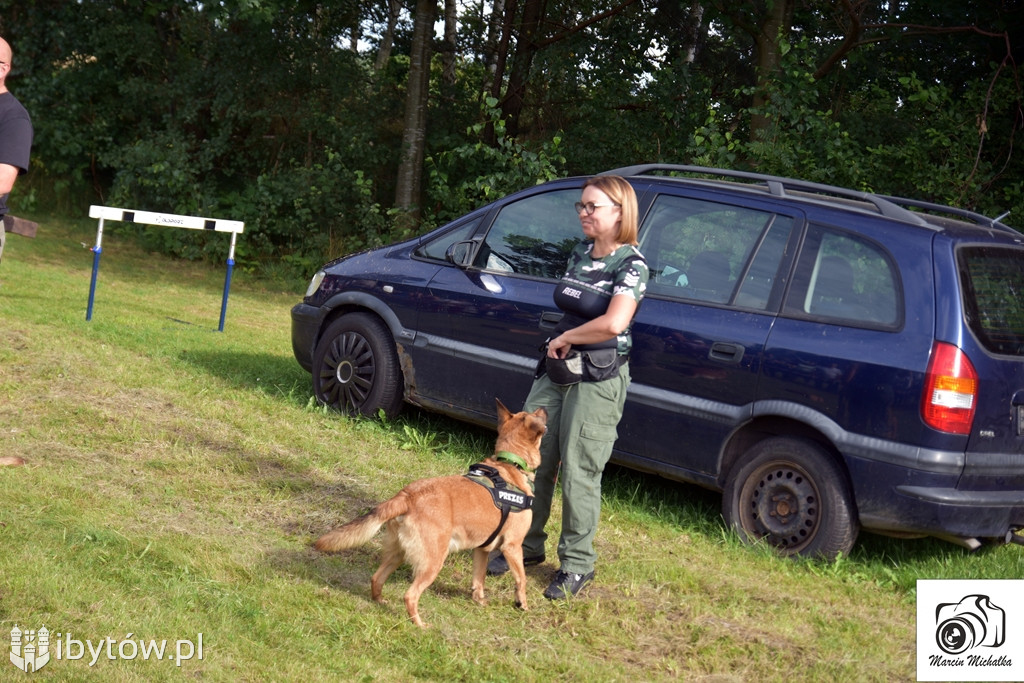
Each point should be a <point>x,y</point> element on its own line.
<point>830,360</point>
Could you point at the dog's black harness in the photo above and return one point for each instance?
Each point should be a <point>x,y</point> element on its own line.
<point>507,498</point>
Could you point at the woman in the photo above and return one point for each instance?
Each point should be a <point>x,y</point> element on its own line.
<point>599,294</point>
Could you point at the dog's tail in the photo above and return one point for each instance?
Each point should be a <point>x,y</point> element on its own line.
<point>362,529</point>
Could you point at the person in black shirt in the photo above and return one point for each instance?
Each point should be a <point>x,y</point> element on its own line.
<point>15,137</point>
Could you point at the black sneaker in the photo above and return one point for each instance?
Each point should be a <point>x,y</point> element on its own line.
<point>565,584</point>
<point>498,565</point>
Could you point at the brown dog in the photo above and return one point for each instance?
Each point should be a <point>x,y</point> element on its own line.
<point>431,517</point>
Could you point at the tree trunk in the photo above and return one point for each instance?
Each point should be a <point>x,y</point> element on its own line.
<point>522,64</point>
<point>410,171</point>
<point>692,31</point>
<point>685,19</point>
<point>769,57</point>
<point>504,41</point>
<point>494,34</point>
<point>451,27</point>
<point>497,70</point>
<point>387,41</point>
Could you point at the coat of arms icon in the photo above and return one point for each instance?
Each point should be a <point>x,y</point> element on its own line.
<point>30,650</point>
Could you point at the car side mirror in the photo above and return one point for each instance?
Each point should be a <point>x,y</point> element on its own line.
<point>460,253</point>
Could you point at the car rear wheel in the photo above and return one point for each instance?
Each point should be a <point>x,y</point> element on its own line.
<point>355,367</point>
<point>791,494</point>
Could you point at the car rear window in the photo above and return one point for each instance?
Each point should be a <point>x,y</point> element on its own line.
<point>993,289</point>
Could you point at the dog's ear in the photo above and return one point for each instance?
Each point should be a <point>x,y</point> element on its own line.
<point>503,412</point>
<point>538,421</point>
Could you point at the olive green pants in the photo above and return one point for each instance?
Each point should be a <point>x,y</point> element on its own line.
<point>582,422</point>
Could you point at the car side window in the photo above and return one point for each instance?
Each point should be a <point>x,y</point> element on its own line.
<point>438,247</point>
<point>533,236</point>
<point>844,278</point>
<point>714,252</point>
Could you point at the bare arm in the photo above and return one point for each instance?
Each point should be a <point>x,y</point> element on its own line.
<point>8,174</point>
<point>602,328</point>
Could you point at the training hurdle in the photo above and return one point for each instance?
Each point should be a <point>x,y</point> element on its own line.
<point>165,220</point>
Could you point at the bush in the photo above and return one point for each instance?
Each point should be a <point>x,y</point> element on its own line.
<point>470,175</point>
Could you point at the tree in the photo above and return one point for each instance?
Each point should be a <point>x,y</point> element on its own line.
<point>410,169</point>
<point>387,41</point>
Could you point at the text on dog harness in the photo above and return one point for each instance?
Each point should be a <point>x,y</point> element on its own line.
<point>506,497</point>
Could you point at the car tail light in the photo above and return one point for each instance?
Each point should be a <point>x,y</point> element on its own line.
<point>950,390</point>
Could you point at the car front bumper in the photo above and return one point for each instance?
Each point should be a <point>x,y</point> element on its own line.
<point>306,323</point>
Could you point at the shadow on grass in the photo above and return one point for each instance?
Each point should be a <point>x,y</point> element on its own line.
<point>681,503</point>
<point>315,505</point>
<point>268,373</point>
<point>324,504</point>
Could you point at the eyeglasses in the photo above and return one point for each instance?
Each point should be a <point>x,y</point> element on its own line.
<point>590,207</point>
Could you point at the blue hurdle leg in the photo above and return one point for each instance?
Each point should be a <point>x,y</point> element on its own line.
<point>227,288</point>
<point>96,251</point>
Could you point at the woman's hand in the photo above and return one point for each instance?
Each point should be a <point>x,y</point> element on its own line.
<point>602,328</point>
<point>558,347</point>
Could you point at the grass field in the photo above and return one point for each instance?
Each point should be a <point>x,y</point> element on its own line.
<point>176,477</point>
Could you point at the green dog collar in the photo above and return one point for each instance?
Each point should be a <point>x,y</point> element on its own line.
<point>512,458</point>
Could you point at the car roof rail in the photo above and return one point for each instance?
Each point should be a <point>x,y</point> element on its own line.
<point>972,216</point>
<point>892,207</point>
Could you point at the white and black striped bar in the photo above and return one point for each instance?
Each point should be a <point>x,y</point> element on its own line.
<point>165,219</point>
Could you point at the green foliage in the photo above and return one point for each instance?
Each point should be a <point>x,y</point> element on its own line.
<point>230,110</point>
<point>949,157</point>
<point>909,138</point>
<point>303,214</point>
<point>714,145</point>
<point>802,140</point>
<point>472,174</point>
<point>265,112</point>
<point>159,172</point>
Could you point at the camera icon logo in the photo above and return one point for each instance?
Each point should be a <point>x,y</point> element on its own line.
<point>972,622</point>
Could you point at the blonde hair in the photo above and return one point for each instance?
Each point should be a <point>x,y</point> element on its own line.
<point>621,192</point>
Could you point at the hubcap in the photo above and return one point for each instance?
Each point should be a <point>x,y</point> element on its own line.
<point>344,372</point>
<point>348,372</point>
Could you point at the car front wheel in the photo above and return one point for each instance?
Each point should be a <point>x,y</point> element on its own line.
<point>355,367</point>
<point>791,494</point>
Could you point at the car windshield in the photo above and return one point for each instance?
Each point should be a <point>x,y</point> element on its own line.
<point>993,291</point>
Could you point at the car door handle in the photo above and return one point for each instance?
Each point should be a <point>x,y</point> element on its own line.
<point>548,319</point>
<point>726,352</point>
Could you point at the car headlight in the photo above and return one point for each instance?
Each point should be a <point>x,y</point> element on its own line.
<point>314,284</point>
